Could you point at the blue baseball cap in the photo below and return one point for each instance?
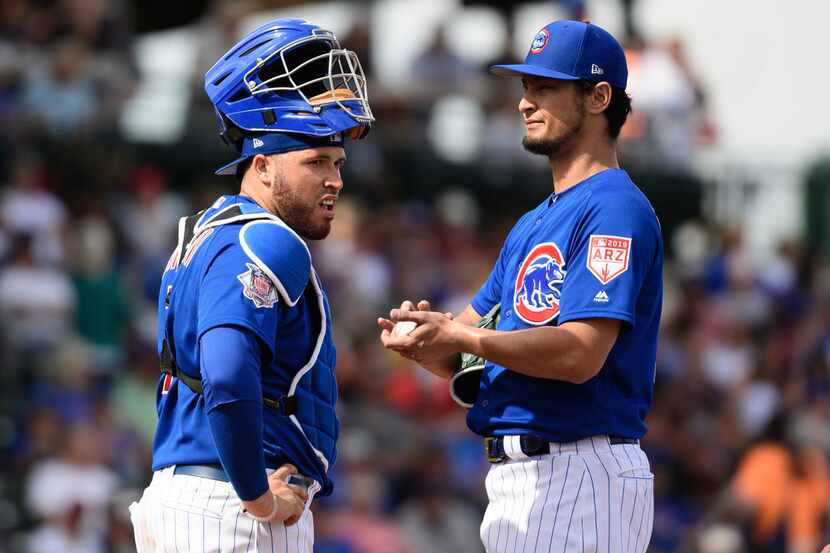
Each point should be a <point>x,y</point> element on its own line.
<point>570,51</point>
<point>277,143</point>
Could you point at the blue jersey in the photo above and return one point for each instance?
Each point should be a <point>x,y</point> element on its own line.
<point>245,268</point>
<point>594,250</point>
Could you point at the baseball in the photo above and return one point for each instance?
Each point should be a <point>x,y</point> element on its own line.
<point>402,328</point>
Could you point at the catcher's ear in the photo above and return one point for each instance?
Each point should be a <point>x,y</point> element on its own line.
<point>262,168</point>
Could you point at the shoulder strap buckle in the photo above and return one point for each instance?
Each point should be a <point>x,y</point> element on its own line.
<point>285,405</point>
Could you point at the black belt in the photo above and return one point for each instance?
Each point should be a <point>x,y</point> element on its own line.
<point>532,445</point>
<point>214,472</point>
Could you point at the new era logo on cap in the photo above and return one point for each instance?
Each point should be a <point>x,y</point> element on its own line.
<point>258,143</point>
<point>597,70</point>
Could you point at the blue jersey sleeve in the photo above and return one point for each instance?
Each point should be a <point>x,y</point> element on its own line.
<point>613,248</point>
<point>236,292</point>
<point>230,365</point>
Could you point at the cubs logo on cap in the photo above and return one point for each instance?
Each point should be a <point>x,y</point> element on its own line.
<point>537,292</point>
<point>540,41</point>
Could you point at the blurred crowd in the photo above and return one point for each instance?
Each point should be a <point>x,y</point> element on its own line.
<point>738,436</point>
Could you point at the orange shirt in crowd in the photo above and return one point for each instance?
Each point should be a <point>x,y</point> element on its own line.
<point>768,480</point>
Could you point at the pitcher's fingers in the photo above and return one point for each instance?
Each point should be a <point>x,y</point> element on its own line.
<point>407,305</point>
<point>424,305</point>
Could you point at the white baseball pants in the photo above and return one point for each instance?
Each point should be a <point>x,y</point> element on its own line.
<point>587,496</point>
<point>189,514</point>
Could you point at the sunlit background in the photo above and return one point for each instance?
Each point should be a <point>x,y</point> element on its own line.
<point>107,138</point>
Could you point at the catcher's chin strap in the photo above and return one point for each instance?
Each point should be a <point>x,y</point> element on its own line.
<point>285,405</point>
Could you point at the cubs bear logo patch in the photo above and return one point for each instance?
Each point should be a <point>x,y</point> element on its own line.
<point>608,256</point>
<point>538,283</point>
<point>257,287</point>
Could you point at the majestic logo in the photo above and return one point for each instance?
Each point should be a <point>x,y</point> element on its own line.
<point>537,292</point>
<point>601,297</point>
<point>258,143</point>
<point>257,287</point>
<point>539,41</point>
<point>608,256</point>
<point>597,70</point>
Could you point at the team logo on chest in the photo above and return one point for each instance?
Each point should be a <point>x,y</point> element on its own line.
<point>257,287</point>
<point>608,256</point>
<point>537,292</point>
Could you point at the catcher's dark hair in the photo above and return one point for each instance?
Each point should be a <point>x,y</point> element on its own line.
<point>618,109</point>
<point>241,168</point>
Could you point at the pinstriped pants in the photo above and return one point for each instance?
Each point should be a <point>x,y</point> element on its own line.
<point>188,514</point>
<point>586,496</point>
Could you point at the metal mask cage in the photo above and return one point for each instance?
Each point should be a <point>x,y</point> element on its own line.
<point>318,70</point>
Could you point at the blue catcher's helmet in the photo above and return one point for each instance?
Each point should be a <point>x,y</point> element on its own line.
<point>289,76</point>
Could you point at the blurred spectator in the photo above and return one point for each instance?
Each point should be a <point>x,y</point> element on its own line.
<point>63,533</point>
<point>359,40</point>
<point>102,313</point>
<point>28,208</point>
<point>103,25</point>
<point>779,492</point>
<point>60,93</point>
<point>70,494</point>
<point>668,103</point>
<point>148,221</point>
<point>217,32</point>
<point>134,392</point>
<point>350,255</point>
<point>37,303</point>
<point>154,210</point>
<point>362,524</point>
<point>438,69</point>
<point>433,520</point>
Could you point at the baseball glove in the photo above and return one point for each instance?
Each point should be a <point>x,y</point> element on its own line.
<point>465,380</point>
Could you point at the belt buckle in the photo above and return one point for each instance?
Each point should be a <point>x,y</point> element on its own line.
<point>491,449</point>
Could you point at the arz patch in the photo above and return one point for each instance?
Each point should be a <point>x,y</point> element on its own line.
<point>257,287</point>
<point>608,256</point>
